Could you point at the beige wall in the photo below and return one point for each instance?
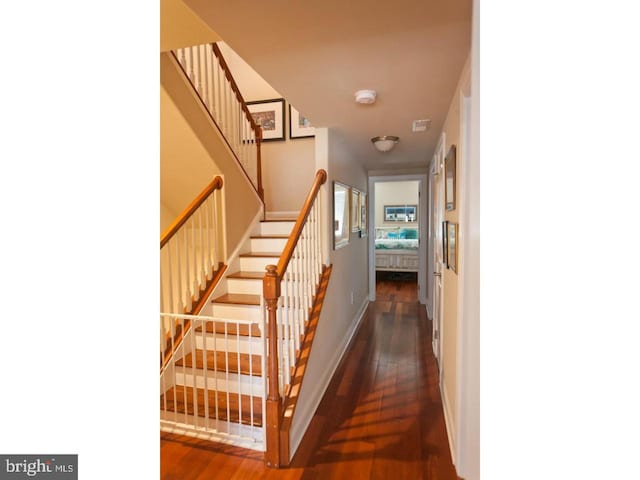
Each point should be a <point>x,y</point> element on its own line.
<point>287,166</point>
<point>167,216</point>
<point>185,165</point>
<point>450,279</point>
<point>395,193</point>
<point>196,144</point>
<point>180,27</point>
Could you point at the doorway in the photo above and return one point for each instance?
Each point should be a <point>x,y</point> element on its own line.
<point>398,213</point>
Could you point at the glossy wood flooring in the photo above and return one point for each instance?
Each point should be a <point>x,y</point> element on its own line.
<point>381,417</point>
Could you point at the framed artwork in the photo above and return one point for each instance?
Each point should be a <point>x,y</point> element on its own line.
<point>341,229</point>
<point>452,245</point>
<point>400,213</point>
<point>269,114</point>
<point>363,214</point>
<point>355,210</point>
<point>445,250</point>
<point>299,126</point>
<point>450,178</point>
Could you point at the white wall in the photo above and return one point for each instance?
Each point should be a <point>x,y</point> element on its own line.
<point>349,278</point>
<point>287,166</point>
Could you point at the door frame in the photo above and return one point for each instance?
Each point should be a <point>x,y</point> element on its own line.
<point>436,173</point>
<point>422,179</point>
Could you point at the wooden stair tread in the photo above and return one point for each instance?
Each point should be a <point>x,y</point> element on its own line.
<point>261,254</point>
<point>224,362</point>
<point>238,299</point>
<point>285,220</point>
<point>232,402</point>
<point>247,275</point>
<point>270,236</point>
<point>231,329</point>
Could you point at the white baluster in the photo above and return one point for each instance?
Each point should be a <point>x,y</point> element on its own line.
<point>226,372</point>
<point>239,370</point>
<point>215,231</point>
<point>205,368</point>
<point>198,54</point>
<point>215,368</point>
<point>179,289</point>
<point>194,375</point>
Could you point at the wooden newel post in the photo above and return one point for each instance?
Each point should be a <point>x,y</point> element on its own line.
<point>271,292</point>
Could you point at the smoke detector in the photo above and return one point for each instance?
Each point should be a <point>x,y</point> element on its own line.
<point>365,96</point>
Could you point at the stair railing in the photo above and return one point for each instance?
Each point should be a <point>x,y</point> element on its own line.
<point>191,256</point>
<point>214,385</point>
<point>210,77</point>
<point>288,290</point>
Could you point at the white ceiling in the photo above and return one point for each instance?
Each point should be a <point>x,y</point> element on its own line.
<point>318,54</point>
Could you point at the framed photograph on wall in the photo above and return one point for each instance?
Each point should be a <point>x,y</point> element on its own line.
<point>363,214</point>
<point>400,213</point>
<point>355,210</point>
<point>299,126</point>
<point>341,229</point>
<point>450,178</point>
<point>452,244</point>
<point>269,114</point>
<point>445,256</point>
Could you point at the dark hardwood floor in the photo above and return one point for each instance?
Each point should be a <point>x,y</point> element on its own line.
<point>381,417</point>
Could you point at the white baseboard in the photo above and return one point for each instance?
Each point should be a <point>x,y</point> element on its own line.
<point>296,434</point>
<point>448,421</point>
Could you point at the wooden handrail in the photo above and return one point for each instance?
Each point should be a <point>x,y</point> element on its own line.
<point>287,253</point>
<point>234,86</point>
<point>216,184</point>
<point>257,129</point>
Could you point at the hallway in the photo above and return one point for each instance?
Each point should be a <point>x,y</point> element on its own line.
<point>380,418</point>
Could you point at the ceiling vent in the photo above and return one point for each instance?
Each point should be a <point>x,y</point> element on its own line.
<point>421,125</point>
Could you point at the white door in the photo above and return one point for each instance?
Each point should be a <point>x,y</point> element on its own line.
<point>437,191</point>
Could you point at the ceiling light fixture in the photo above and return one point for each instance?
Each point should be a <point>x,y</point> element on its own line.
<point>384,143</point>
<point>365,96</point>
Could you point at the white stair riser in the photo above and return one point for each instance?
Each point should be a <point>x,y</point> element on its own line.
<point>256,264</point>
<point>244,384</point>
<point>244,285</point>
<point>268,244</point>
<point>236,312</point>
<point>276,228</point>
<point>243,344</point>
<point>187,422</point>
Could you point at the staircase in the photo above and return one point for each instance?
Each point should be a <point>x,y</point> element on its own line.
<point>226,399</point>
<point>232,331</point>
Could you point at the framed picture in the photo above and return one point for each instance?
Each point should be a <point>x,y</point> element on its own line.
<point>450,178</point>
<point>445,253</point>
<point>340,215</point>
<point>355,210</point>
<point>299,126</point>
<point>269,114</point>
<point>452,244</point>
<point>400,213</point>
<point>363,214</point>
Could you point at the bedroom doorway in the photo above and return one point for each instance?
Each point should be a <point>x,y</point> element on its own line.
<point>398,210</point>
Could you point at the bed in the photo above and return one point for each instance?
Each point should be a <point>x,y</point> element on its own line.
<point>397,249</point>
